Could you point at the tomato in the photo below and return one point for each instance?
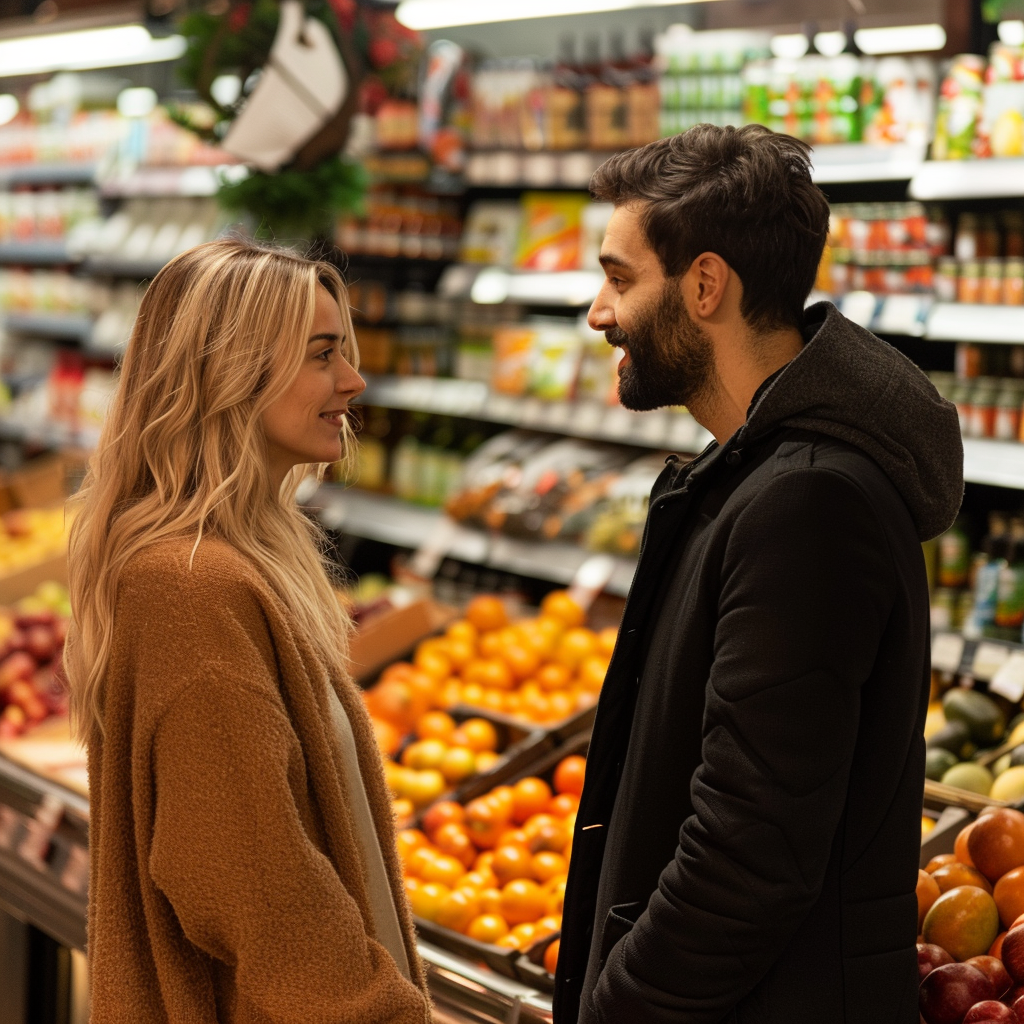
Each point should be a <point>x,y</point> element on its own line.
<point>453,840</point>
<point>512,862</point>
<point>441,814</point>
<point>484,823</point>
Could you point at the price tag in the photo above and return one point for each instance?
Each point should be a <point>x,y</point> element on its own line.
<point>947,652</point>
<point>75,875</point>
<point>432,551</point>
<point>591,578</point>
<point>902,314</point>
<point>1009,680</point>
<point>39,830</point>
<point>988,660</point>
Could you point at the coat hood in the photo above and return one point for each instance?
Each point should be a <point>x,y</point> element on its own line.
<point>852,386</point>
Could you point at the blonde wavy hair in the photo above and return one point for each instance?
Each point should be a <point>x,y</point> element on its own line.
<point>221,333</point>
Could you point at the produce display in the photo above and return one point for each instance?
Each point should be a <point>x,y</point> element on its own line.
<point>30,536</point>
<point>495,869</point>
<point>31,641</point>
<point>971,916</point>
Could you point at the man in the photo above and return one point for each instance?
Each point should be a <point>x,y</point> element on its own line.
<point>747,843</point>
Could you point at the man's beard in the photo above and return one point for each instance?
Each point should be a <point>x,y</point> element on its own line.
<point>672,359</point>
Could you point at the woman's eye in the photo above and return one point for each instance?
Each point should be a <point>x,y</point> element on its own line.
<point>325,356</point>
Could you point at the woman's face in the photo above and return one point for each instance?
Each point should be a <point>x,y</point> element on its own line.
<point>304,424</point>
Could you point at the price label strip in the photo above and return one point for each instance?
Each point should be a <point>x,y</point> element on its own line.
<point>947,652</point>
<point>75,876</point>
<point>1008,682</point>
<point>10,819</point>
<point>988,660</point>
<point>39,831</point>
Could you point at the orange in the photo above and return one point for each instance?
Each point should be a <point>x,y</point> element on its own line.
<point>551,956</point>
<point>450,693</point>
<point>569,775</point>
<point>510,941</point>
<point>529,796</point>
<point>491,645</point>
<point>441,814</point>
<point>394,702</point>
<point>403,811</point>
<point>555,890</point>
<point>486,612</point>
<point>424,787</point>
<point>514,837</point>
<point>547,865</point>
<point>1009,896</point>
<point>388,738</point>
<point>424,754</point>
<point>591,672</point>
<point>444,869</point>
<point>996,949</point>
<point>536,708</point>
<point>996,842</point>
<point>458,764</point>
<point>574,646</point>
<point>486,760</point>
<point>547,925</point>
<point>408,841</point>
<point>479,880</point>
<point>484,823</point>
<point>953,875</point>
<point>458,910</point>
<point>502,797</point>
<point>960,845</point>
<point>434,664</point>
<point>553,677</point>
<point>427,898</point>
<point>562,705</point>
<point>525,933</point>
<point>563,805</point>
<point>606,640</point>
<point>478,734</point>
<point>490,900</point>
<point>927,893</point>
<point>453,840</point>
<point>461,653</point>
<point>548,837</point>
<point>489,672</point>
<point>523,900</point>
<point>963,921</point>
<point>487,928</point>
<point>420,860</point>
<point>435,725</point>
<point>560,606</point>
<point>462,631</point>
<point>493,700</point>
<point>471,694</point>
<point>511,862</point>
<point>521,660</point>
<point>484,861</point>
<point>938,861</point>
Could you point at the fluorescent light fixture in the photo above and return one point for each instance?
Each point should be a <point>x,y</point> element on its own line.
<point>789,46</point>
<point>87,48</point>
<point>900,39</point>
<point>8,107</point>
<point>225,89</point>
<point>1011,32</point>
<point>424,15</point>
<point>136,102</point>
<point>831,44</point>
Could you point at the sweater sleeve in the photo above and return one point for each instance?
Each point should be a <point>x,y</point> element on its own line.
<point>246,883</point>
<point>807,586</point>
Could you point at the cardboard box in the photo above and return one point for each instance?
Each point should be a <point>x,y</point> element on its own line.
<point>392,635</point>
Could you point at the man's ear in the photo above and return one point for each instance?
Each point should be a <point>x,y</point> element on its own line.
<point>708,278</point>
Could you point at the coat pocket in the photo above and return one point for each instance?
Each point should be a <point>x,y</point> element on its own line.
<point>619,922</point>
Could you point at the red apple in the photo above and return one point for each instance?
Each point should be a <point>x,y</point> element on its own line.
<point>950,991</point>
<point>42,617</point>
<point>15,667</point>
<point>1017,1005</point>
<point>988,1010</point>
<point>39,642</point>
<point>993,969</point>
<point>930,956</point>
<point>1012,953</point>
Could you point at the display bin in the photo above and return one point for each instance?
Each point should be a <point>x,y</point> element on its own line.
<point>530,965</point>
<point>505,962</point>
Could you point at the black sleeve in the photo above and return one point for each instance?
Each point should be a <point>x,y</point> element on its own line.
<point>806,588</point>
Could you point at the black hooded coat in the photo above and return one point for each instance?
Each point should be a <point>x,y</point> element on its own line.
<point>747,844</point>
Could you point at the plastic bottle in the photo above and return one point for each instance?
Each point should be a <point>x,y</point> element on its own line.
<point>986,576</point>
<point>1009,612</point>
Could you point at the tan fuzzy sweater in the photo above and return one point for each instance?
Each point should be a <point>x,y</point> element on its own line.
<point>227,882</point>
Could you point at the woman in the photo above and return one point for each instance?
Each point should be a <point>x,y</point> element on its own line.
<point>243,866</point>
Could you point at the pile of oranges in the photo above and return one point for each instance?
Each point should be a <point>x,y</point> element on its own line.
<point>540,669</point>
<point>495,870</point>
<point>443,754</point>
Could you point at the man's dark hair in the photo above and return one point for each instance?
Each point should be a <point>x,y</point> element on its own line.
<point>743,193</point>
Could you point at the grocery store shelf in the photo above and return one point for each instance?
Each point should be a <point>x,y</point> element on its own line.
<point>117,266</point>
<point>48,435</point>
<point>509,169</point>
<point>36,254</point>
<point>968,179</point>
<point>659,429</point>
<point>50,325</point>
<point>47,174</point>
<point>170,181</point>
<point>994,462</point>
<point>961,321</point>
<point>859,162</point>
<point>493,285</point>
<point>886,314</point>
<point>377,517</point>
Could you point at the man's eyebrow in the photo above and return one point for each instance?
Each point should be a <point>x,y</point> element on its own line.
<point>327,336</point>
<point>611,260</point>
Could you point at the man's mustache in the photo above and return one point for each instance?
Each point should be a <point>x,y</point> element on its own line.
<point>616,336</point>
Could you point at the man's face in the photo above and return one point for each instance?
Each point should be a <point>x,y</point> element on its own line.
<point>668,359</point>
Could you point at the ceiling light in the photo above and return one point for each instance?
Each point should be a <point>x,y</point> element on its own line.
<point>136,102</point>
<point>424,15</point>
<point>789,46</point>
<point>88,48</point>
<point>8,107</point>
<point>1011,33</point>
<point>831,44</point>
<point>225,89</point>
<point>900,39</point>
